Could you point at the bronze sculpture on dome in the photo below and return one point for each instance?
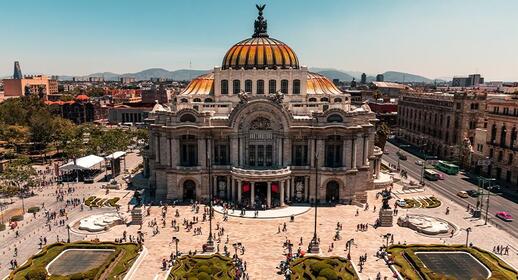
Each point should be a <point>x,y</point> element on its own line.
<point>260,23</point>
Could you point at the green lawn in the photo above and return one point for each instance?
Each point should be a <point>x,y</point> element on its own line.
<point>125,253</point>
<point>411,267</point>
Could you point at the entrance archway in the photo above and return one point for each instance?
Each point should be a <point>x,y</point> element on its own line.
<point>332,192</point>
<point>189,190</point>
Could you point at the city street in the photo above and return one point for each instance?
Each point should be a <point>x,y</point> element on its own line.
<point>452,185</point>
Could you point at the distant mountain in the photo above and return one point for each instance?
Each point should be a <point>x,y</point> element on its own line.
<point>389,76</point>
<point>178,75</point>
<point>401,77</point>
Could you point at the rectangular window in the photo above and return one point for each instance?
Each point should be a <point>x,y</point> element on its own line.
<point>248,86</point>
<point>296,86</point>
<point>221,154</point>
<point>284,86</point>
<point>300,155</point>
<point>268,156</point>
<point>260,86</point>
<point>272,86</point>
<point>260,155</point>
<point>251,155</point>
<point>236,85</point>
<point>224,87</point>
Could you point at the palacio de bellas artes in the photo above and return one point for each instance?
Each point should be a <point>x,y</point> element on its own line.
<point>262,130</point>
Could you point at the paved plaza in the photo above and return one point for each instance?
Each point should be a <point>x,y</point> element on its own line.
<point>262,237</point>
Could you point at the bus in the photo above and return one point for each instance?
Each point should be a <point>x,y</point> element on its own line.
<point>446,167</point>
<point>431,175</point>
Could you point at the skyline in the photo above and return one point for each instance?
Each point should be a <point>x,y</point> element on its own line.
<point>428,39</point>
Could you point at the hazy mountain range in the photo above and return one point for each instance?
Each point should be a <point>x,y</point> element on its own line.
<point>186,74</point>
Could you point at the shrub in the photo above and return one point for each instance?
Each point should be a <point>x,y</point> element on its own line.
<point>328,273</point>
<point>321,278</point>
<point>17,218</point>
<point>319,266</point>
<point>204,276</point>
<point>205,269</point>
<point>2,227</point>
<point>36,274</point>
<point>34,209</point>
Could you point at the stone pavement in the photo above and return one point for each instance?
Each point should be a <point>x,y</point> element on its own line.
<point>284,212</point>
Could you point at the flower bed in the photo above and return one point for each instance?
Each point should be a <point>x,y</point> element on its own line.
<point>124,255</point>
<point>34,209</point>
<point>16,218</point>
<point>88,201</point>
<point>411,267</point>
<point>203,268</point>
<point>317,268</point>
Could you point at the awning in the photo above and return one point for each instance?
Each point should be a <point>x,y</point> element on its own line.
<point>82,163</point>
<point>116,155</point>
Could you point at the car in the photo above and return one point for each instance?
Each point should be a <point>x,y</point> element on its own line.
<point>419,162</point>
<point>473,193</point>
<point>401,202</point>
<point>401,156</point>
<point>440,176</point>
<point>463,194</point>
<point>506,216</point>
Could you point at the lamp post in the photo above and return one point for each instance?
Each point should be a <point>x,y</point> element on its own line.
<point>349,245</point>
<point>68,231</point>
<point>387,237</point>
<point>468,230</point>
<point>209,246</point>
<point>176,240</point>
<point>487,202</point>
<point>314,244</point>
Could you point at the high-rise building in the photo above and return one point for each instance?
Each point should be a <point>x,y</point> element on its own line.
<point>363,79</point>
<point>17,74</point>
<point>380,78</point>
<point>472,80</point>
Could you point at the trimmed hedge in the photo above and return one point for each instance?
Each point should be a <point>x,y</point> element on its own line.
<point>112,202</point>
<point>316,268</point>
<point>129,252</point>
<point>16,218</point>
<point>203,267</point>
<point>89,200</point>
<point>411,267</point>
<point>2,227</point>
<point>34,209</point>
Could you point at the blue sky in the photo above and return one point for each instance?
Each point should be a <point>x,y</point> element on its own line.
<point>432,38</point>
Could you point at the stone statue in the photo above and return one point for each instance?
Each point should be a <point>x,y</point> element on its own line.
<point>27,90</point>
<point>278,97</point>
<point>260,23</point>
<point>243,98</point>
<point>261,123</point>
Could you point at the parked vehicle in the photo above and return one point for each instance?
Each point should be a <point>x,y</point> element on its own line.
<point>463,194</point>
<point>419,162</point>
<point>473,193</point>
<point>506,216</point>
<point>401,202</point>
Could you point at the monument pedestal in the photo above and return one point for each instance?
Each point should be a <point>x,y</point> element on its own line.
<point>136,215</point>
<point>314,247</point>
<point>208,247</point>
<point>386,218</point>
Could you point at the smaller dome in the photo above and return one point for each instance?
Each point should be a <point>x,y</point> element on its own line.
<point>318,84</point>
<point>203,84</point>
<point>82,97</point>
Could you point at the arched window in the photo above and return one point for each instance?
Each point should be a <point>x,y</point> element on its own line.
<point>188,150</point>
<point>196,100</point>
<point>272,86</point>
<point>248,86</point>
<point>236,86</point>
<point>333,151</point>
<point>513,137</point>
<point>187,118</point>
<point>503,135</point>
<point>260,86</point>
<point>324,99</point>
<point>184,100</point>
<point>224,86</point>
<point>296,86</point>
<point>335,118</point>
<point>338,100</point>
<point>312,99</point>
<point>208,100</point>
<point>284,86</point>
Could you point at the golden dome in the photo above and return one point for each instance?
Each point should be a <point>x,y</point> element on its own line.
<point>203,84</point>
<point>260,51</point>
<point>318,84</point>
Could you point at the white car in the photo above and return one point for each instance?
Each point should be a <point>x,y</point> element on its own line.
<point>419,162</point>
<point>401,202</point>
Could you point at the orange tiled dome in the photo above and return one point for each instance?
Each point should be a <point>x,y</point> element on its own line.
<point>260,52</point>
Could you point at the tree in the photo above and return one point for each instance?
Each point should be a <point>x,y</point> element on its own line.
<point>18,177</point>
<point>14,135</point>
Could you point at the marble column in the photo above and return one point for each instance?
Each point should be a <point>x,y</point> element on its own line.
<point>292,188</point>
<point>353,153</point>
<point>252,193</point>
<point>174,152</point>
<point>232,189</point>
<point>306,188</point>
<point>234,150</point>
<point>215,186</point>
<point>269,194</point>
<point>287,188</point>
<point>344,153</point>
<point>282,193</point>
<point>239,185</point>
<point>227,188</point>
<point>365,151</point>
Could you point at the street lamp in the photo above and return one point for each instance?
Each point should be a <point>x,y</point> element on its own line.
<point>68,231</point>
<point>209,246</point>
<point>468,230</point>
<point>387,237</point>
<point>489,188</point>
<point>176,240</point>
<point>314,245</point>
<point>349,245</point>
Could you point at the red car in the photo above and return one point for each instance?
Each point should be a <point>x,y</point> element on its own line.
<point>440,176</point>
<point>506,216</point>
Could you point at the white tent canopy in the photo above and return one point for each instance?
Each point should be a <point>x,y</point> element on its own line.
<point>83,163</point>
<point>116,155</point>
